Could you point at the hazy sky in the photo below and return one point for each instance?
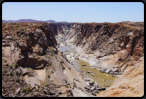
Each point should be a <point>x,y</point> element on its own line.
<point>74,11</point>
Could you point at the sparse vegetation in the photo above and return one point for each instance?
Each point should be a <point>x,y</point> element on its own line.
<point>65,80</point>
<point>3,92</point>
<point>11,73</point>
<point>50,63</point>
<point>16,65</point>
<point>66,86</point>
<point>17,80</point>
<point>48,76</point>
<point>61,62</point>
<point>13,89</point>
<point>5,71</point>
<point>5,61</point>
<point>52,71</point>
<point>27,90</point>
<point>132,88</point>
<point>46,85</point>
<point>17,26</point>
<point>17,73</point>
<point>10,66</point>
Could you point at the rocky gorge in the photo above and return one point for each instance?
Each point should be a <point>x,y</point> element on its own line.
<point>34,66</point>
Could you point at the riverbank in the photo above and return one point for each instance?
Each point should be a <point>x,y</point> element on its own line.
<point>81,64</point>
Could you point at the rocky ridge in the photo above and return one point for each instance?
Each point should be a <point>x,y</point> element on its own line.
<point>32,65</point>
<point>110,47</point>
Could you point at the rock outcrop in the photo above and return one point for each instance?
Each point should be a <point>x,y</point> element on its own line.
<point>113,48</point>
<point>116,43</point>
<point>32,65</point>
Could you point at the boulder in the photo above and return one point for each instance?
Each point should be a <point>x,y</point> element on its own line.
<point>91,83</point>
<point>52,92</point>
<point>24,71</point>
<point>96,84</point>
<point>17,91</point>
<point>93,88</point>
<point>9,37</point>
<point>102,88</point>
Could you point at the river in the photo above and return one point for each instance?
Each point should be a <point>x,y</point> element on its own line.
<point>103,79</point>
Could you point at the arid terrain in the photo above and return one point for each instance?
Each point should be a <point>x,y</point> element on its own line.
<point>33,64</point>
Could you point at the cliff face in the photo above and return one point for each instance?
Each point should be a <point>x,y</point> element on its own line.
<point>130,84</point>
<point>32,65</point>
<point>105,39</point>
<point>112,47</point>
<point>109,37</point>
<point>29,56</point>
<point>58,28</point>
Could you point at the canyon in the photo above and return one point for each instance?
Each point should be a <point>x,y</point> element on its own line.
<point>73,59</point>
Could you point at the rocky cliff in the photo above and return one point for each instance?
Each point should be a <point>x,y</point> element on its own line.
<point>59,28</point>
<point>106,39</point>
<point>32,65</point>
<point>112,48</point>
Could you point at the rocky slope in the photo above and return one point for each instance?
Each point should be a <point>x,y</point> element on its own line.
<point>59,28</point>
<point>110,47</point>
<point>32,65</point>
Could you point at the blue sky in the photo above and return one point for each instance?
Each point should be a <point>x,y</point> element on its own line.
<point>74,11</point>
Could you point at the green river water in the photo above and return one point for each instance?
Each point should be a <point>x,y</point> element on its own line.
<point>101,78</point>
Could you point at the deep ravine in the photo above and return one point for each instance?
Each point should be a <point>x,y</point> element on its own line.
<point>72,59</point>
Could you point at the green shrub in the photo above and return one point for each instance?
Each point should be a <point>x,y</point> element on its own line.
<point>132,88</point>
<point>16,65</point>
<point>10,66</point>
<point>27,90</point>
<point>17,80</point>
<point>17,73</point>
<point>50,63</point>
<point>13,89</point>
<point>66,86</point>
<point>38,86</point>
<point>49,57</point>
<point>5,71</point>
<point>5,61</point>
<point>48,76</point>
<point>61,62</point>
<point>3,92</point>
<point>52,71</point>
<point>11,73</point>
<point>37,90</point>
<point>46,85</point>
<point>65,80</point>
<point>17,26</point>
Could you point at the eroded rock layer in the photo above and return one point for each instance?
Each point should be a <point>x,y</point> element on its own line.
<point>32,65</point>
<point>110,47</point>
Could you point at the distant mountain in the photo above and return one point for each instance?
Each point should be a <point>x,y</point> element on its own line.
<point>31,20</point>
<point>50,21</point>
